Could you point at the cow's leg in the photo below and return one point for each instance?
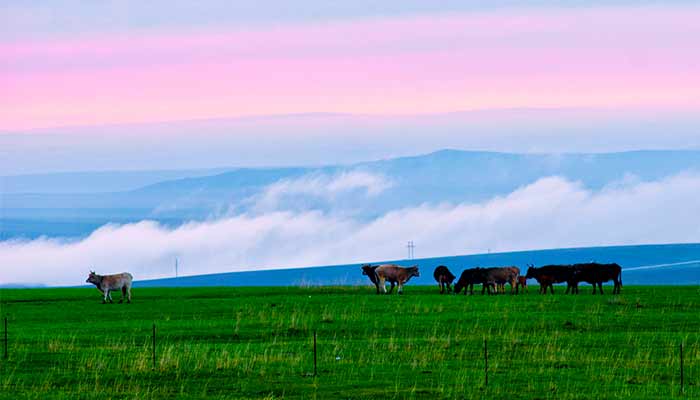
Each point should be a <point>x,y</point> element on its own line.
<point>600,286</point>
<point>391,286</point>
<point>128,293</point>
<point>382,284</point>
<point>106,292</point>
<point>400,290</point>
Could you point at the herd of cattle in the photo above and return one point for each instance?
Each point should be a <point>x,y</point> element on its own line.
<point>493,280</point>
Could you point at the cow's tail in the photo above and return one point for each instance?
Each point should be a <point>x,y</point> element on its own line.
<point>619,277</point>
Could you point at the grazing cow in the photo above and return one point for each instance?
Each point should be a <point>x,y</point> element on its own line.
<point>368,270</point>
<point>522,283</point>
<point>444,278</point>
<point>548,275</point>
<point>105,283</point>
<point>393,272</point>
<point>471,277</point>
<point>597,274</point>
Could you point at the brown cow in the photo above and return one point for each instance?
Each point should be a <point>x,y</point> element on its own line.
<point>507,275</point>
<point>105,283</point>
<point>444,278</point>
<point>389,272</point>
<point>522,283</point>
<point>368,270</point>
<point>497,277</point>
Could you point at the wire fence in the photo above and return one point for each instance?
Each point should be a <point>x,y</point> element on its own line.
<point>487,361</point>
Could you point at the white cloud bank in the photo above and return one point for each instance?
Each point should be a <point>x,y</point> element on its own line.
<point>549,213</point>
<point>319,189</point>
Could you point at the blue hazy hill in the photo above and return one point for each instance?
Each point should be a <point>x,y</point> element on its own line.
<point>656,257</point>
<point>444,176</point>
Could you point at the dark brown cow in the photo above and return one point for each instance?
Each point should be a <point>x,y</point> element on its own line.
<point>548,275</point>
<point>490,279</point>
<point>368,270</point>
<point>444,278</point>
<point>105,283</point>
<point>389,272</point>
<point>469,278</point>
<point>597,274</point>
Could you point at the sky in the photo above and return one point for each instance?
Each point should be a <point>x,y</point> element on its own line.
<point>108,71</point>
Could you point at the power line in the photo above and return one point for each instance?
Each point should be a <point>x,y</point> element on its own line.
<point>662,265</point>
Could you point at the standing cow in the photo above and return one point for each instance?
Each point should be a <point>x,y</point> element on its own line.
<point>105,283</point>
<point>393,272</point>
<point>522,283</point>
<point>444,278</point>
<point>597,274</point>
<point>548,275</point>
<point>502,275</point>
<point>469,278</point>
<point>368,269</point>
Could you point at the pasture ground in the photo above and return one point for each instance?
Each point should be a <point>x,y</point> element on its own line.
<point>257,343</point>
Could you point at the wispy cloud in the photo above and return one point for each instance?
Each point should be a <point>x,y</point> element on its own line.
<point>318,190</point>
<point>549,213</point>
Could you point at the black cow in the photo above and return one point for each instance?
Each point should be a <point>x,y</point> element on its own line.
<point>444,278</point>
<point>548,275</point>
<point>597,274</point>
<point>469,278</point>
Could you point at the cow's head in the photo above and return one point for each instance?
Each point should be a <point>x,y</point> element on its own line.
<point>458,286</point>
<point>93,278</point>
<point>531,271</point>
<point>367,269</point>
<point>414,271</point>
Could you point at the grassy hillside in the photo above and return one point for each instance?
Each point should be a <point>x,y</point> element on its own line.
<point>257,343</point>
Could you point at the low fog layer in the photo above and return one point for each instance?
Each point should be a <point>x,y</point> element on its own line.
<point>549,213</point>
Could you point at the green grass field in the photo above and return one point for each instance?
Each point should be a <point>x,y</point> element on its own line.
<point>257,343</point>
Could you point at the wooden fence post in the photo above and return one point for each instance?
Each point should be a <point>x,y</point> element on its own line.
<point>6,354</point>
<point>486,364</point>
<point>315,357</point>
<point>681,354</point>
<point>154,346</point>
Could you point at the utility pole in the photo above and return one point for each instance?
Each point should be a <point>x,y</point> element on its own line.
<point>411,249</point>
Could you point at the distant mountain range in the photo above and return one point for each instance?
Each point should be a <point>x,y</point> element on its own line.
<point>676,264</point>
<point>72,205</point>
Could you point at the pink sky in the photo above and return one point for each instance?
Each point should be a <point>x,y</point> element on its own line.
<point>644,57</point>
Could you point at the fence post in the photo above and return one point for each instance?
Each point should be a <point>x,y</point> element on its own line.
<point>681,354</point>
<point>315,358</point>
<point>154,346</point>
<point>486,364</point>
<point>6,353</point>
